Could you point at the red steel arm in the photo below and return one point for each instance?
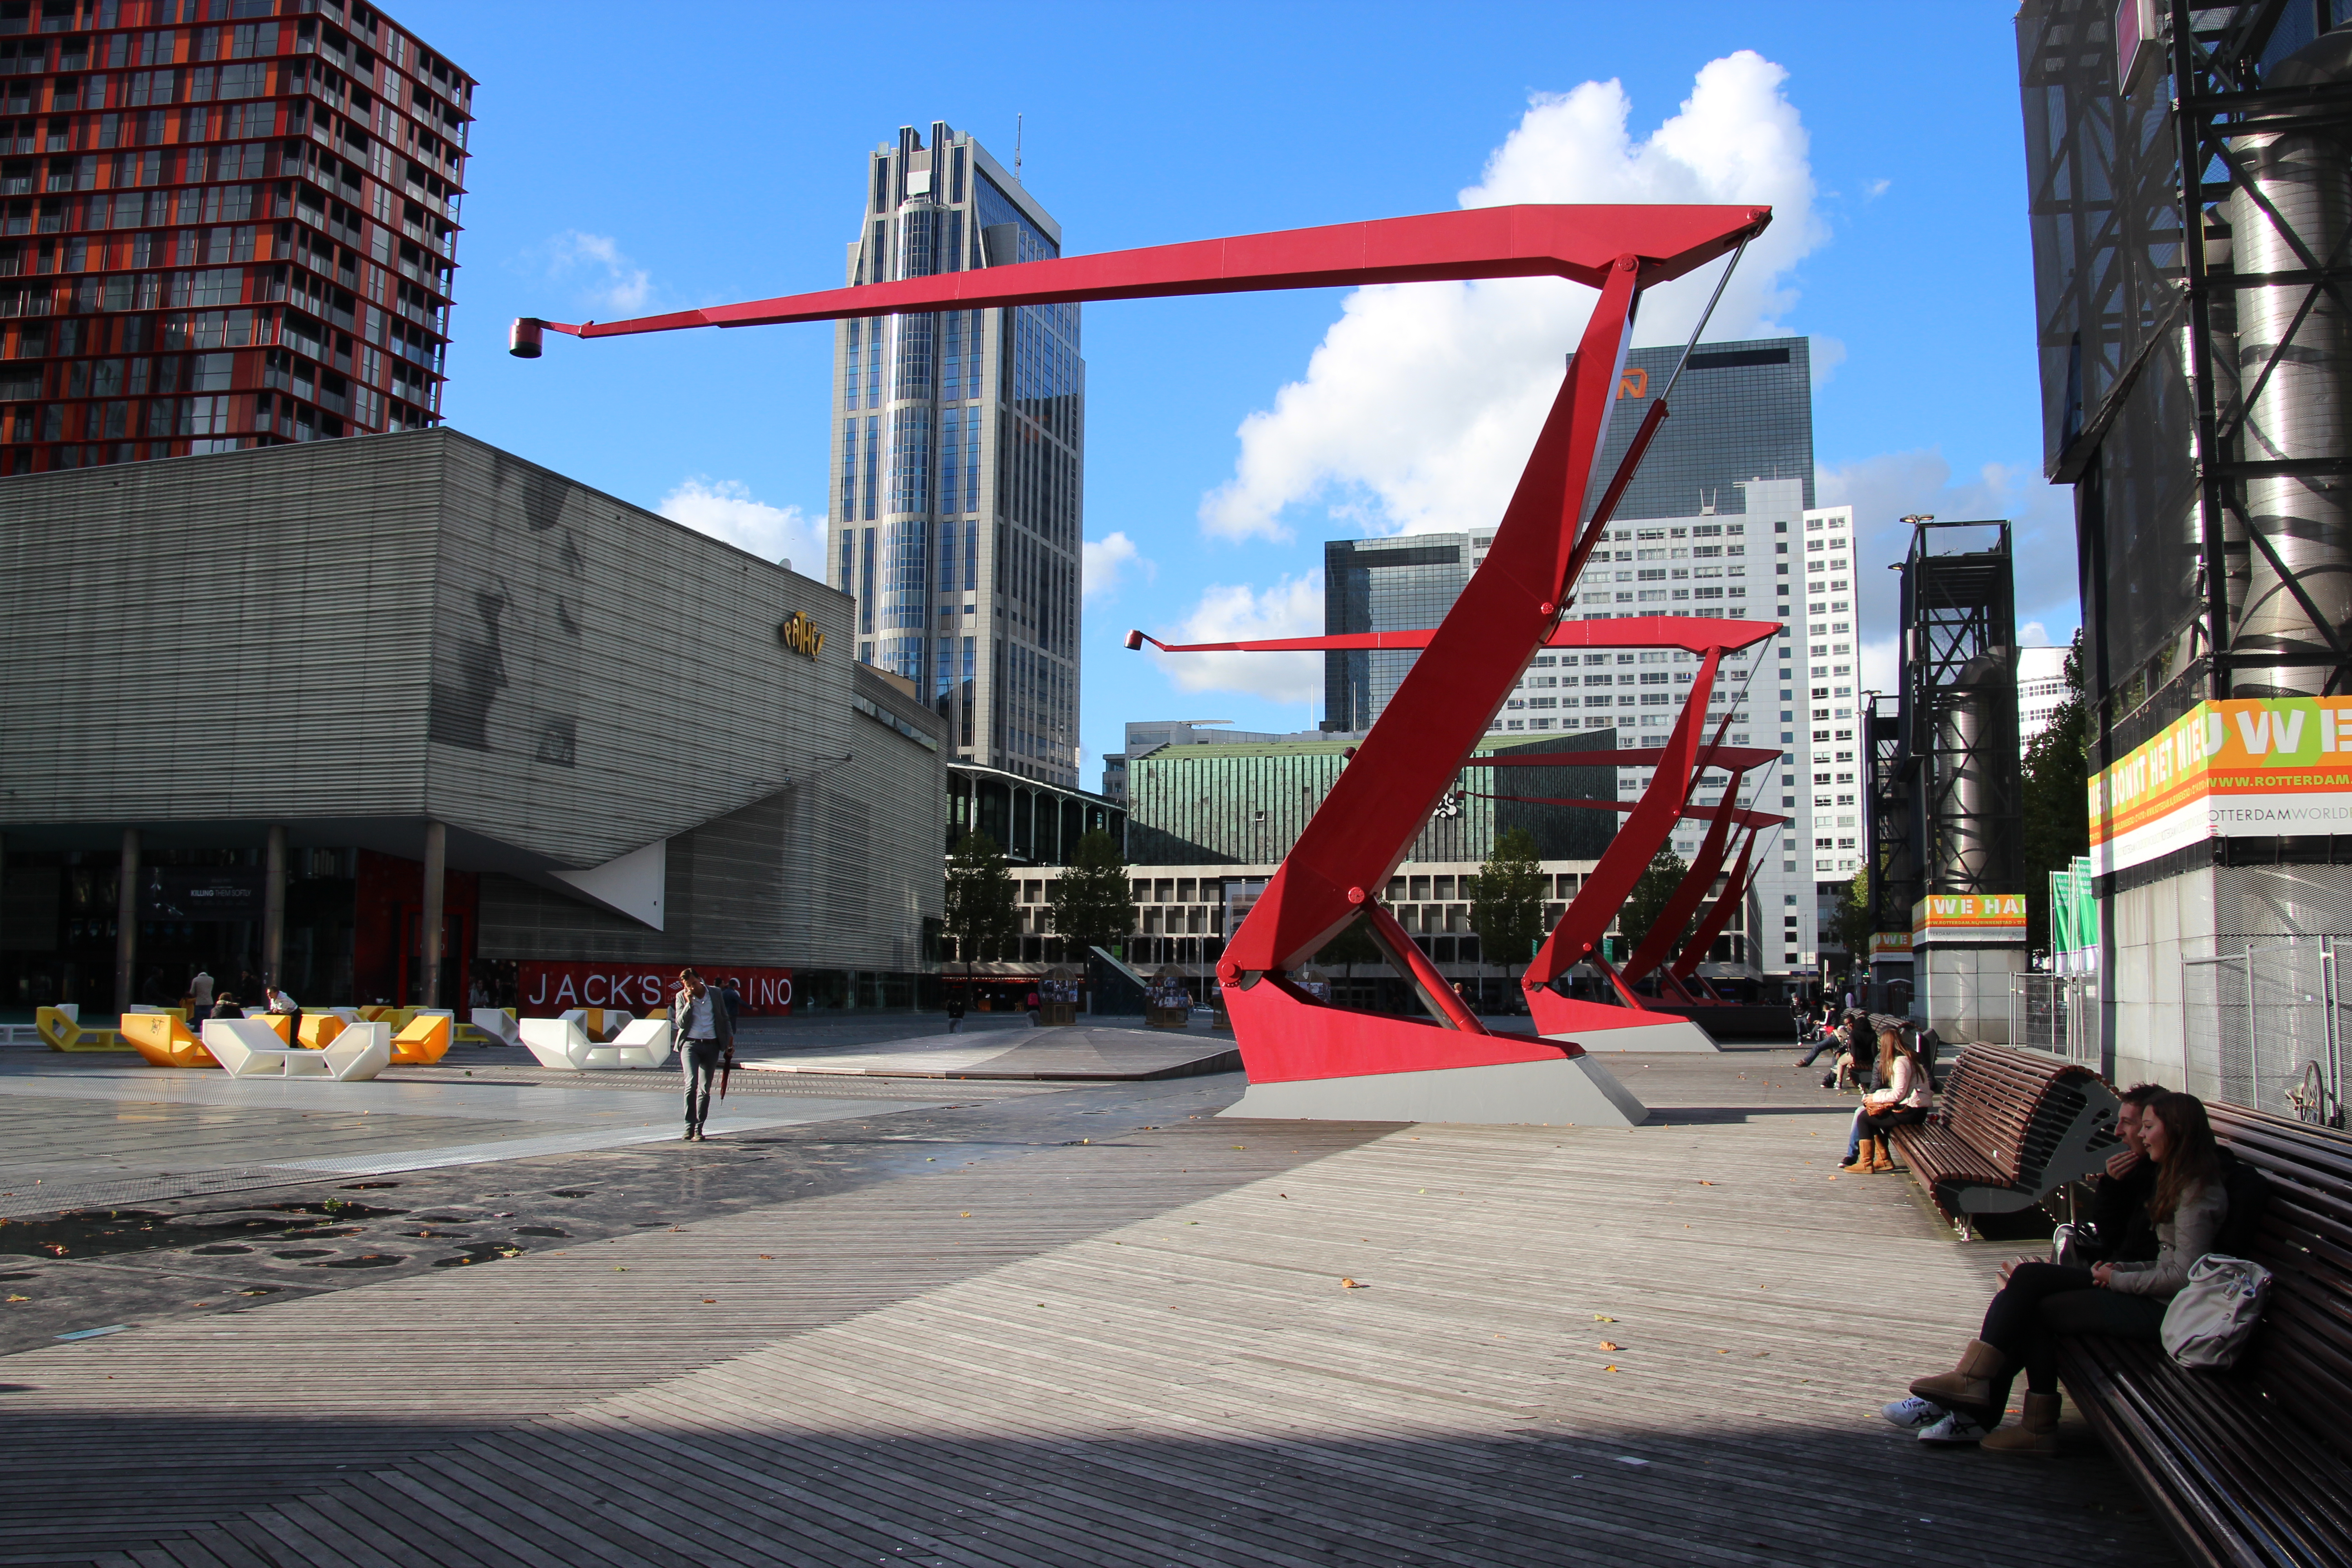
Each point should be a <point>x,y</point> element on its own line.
<point>1664,939</point>
<point>1580,243</point>
<point>1630,852</point>
<point>1508,609</point>
<point>1735,888</point>
<point>1690,633</point>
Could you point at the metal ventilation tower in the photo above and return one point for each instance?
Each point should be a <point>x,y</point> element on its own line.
<point>1946,791</point>
<point>2189,191</point>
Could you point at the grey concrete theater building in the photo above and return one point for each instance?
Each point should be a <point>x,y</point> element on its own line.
<point>285,711</point>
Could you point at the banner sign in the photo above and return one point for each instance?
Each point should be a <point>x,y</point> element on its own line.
<point>1894,946</point>
<point>168,893</point>
<point>548,989</point>
<point>2257,768</point>
<point>1976,918</point>
<point>2073,919</point>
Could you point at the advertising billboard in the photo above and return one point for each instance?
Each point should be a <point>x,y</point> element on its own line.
<point>1974,918</point>
<point>2252,767</point>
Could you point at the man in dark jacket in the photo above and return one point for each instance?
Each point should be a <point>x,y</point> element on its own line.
<point>2118,1229</point>
<point>706,1032</point>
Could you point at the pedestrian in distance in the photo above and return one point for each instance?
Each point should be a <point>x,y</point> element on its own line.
<point>955,1012</point>
<point>706,1032</point>
<point>1033,1004</point>
<point>200,994</point>
<point>284,1006</point>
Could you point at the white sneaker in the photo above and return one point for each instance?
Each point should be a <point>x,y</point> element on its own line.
<point>1954,1429</point>
<point>1914,1413</point>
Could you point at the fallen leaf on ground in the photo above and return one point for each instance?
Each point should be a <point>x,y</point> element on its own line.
<point>1707,1183</point>
<point>710,1300</point>
<point>20,1297</point>
<point>1610,1345</point>
<point>1348,1284</point>
<point>767,1257</point>
<point>966,1214</point>
<point>1609,1368</point>
<point>1599,1319</point>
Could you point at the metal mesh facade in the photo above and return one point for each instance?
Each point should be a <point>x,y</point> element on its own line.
<point>349,639</point>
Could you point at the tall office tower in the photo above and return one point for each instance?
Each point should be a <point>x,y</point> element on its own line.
<point>1742,411</point>
<point>220,227</point>
<point>959,466</point>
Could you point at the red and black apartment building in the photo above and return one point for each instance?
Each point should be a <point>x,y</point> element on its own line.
<point>223,224</point>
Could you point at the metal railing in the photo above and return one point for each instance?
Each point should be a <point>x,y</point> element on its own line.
<point>2058,1014</point>
<point>2268,1027</point>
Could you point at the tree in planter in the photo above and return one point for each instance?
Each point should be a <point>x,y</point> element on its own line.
<point>1093,906</point>
<point>980,899</point>
<point>1507,913</point>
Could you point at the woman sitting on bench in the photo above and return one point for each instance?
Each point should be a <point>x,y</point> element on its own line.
<point>1904,1102</point>
<point>2040,1302</point>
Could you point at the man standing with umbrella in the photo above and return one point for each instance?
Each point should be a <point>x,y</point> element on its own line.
<point>706,1032</point>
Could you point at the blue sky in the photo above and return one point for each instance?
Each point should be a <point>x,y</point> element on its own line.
<point>629,162</point>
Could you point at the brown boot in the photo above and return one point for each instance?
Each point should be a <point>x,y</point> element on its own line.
<point>1885,1155</point>
<point>1969,1384</point>
<point>2036,1435</point>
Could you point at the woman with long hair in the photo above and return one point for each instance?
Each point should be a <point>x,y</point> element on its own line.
<point>1902,1099</point>
<point>2040,1302</point>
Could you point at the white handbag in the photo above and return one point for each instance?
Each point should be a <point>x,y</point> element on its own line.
<point>2210,1322</point>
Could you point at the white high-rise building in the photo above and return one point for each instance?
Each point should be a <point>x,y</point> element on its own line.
<point>1827,738</point>
<point>2040,689</point>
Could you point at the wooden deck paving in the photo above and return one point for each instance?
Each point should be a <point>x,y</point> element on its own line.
<point>1133,1349</point>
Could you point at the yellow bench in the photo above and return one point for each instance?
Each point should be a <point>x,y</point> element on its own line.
<point>320,1029</point>
<point>164,1040</point>
<point>425,1041</point>
<point>61,1030</point>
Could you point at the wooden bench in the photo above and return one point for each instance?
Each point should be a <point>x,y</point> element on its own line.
<point>2247,1467</point>
<point>2011,1127</point>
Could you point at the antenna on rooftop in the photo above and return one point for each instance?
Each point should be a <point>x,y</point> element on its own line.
<point>1017,149</point>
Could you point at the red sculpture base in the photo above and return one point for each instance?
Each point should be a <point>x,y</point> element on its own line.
<point>1601,1026</point>
<point>1308,1060</point>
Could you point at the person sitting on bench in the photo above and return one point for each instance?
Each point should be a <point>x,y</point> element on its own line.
<point>2040,1302</point>
<point>1827,1040</point>
<point>1857,1055</point>
<point>1904,1102</point>
<point>2118,1229</point>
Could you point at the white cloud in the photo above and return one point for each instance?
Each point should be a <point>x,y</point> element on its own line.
<point>724,508</point>
<point>2033,634</point>
<point>1293,607</point>
<point>1107,562</point>
<point>599,272</point>
<point>1873,189</point>
<point>1884,489</point>
<point>1418,408</point>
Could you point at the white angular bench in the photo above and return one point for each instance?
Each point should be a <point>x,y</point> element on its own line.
<point>563,1044</point>
<point>248,1048</point>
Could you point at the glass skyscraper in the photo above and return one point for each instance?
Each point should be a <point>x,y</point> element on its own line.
<point>959,463</point>
<point>1742,411</point>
